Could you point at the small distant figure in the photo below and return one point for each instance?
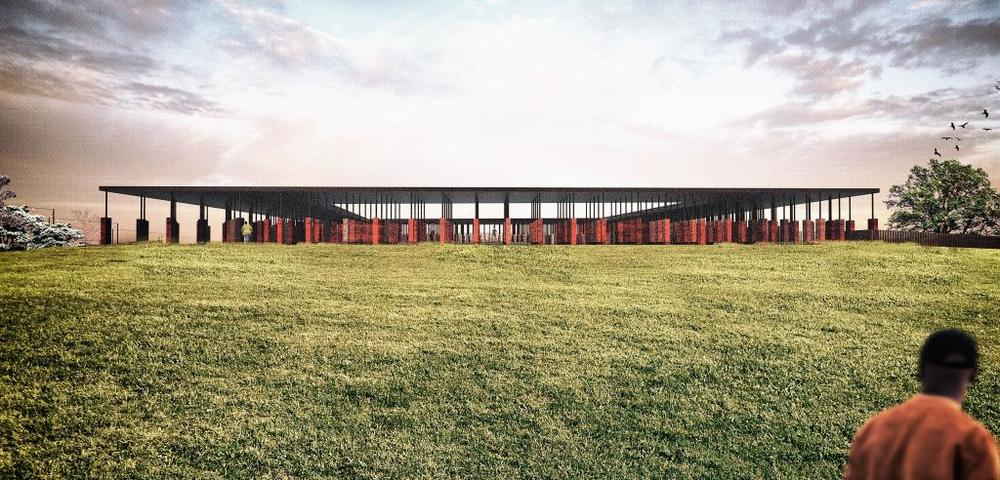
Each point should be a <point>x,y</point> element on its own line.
<point>247,231</point>
<point>937,152</point>
<point>945,138</point>
<point>929,436</point>
<point>986,114</point>
<point>952,125</point>
<point>985,129</point>
<point>956,148</point>
<point>963,125</point>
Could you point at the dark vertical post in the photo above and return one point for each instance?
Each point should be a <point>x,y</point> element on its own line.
<point>105,238</point>
<point>141,224</point>
<point>173,228</point>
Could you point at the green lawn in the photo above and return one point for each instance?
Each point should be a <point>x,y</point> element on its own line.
<point>272,361</point>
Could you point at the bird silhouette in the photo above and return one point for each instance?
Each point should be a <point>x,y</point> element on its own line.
<point>958,139</point>
<point>986,114</point>
<point>987,129</point>
<point>952,125</point>
<point>945,138</point>
<point>956,148</point>
<point>937,152</point>
<point>964,124</point>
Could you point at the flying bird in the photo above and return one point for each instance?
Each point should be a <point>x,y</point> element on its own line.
<point>958,139</point>
<point>964,124</point>
<point>937,152</point>
<point>956,148</point>
<point>986,114</point>
<point>952,125</point>
<point>945,138</point>
<point>987,129</point>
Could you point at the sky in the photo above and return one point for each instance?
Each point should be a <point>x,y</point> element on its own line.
<point>499,93</point>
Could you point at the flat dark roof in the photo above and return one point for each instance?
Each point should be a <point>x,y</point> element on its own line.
<point>217,196</point>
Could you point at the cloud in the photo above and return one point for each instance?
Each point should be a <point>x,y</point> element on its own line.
<point>941,43</point>
<point>159,97</point>
<point>294,46</point>
<point>929,111</point>
<point>821,77</point>
<point>78,52</point>
<point>832,53</point>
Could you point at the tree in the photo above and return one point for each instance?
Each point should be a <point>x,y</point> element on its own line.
<point>5,191</point>
<point>22,230</point>
<point>945,197</point>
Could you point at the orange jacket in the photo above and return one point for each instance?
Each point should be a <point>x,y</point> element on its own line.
<point>928,437</point>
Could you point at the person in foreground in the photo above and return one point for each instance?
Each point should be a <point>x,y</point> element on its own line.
<point>929,436</point>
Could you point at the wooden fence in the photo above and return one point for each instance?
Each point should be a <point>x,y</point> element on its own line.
<point>932,239</point>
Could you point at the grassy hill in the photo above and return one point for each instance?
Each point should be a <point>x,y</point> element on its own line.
<point>439,361</point>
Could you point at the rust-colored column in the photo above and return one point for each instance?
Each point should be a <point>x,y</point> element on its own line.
<point>443,230</point>
<point>772,231</point>
<point>873,228</point>
<point>334,231</point>
<point>572,231</point>
<point>411,230</point>
<point>475,231</point>
<point>602,231</point>
<point>849,226</point>
<point>701,233</point>
<point>666,231</point>
<point>265,231</point>
<point>808,231</point>
<point>783,234</point>
<point>173,234</point>
<point>393,232</point>
<point>376,232</point>
<point>841,232</point>
<point>794,235</point>
<point>507,233</point>
<point>727,230</point>
<point>820,230</point>
<point>308,230</point>
<point>106,232</point>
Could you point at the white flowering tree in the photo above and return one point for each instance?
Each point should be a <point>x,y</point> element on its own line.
<point>23,230</point>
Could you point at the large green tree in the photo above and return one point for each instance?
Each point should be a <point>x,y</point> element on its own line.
<point>946,196</point>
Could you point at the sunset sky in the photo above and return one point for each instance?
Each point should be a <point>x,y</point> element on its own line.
<point>680,94</point>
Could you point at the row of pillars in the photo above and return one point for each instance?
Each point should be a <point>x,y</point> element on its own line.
<point>570,231</point>
<point>600,231</point>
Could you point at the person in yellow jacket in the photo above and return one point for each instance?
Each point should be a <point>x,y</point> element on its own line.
<point>247,231</point>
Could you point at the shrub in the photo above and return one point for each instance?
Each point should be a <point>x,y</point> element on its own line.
<point>22,230</point>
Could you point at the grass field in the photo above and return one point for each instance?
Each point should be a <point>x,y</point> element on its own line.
<point>240,361</point>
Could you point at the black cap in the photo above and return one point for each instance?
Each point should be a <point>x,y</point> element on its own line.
<point>951,348</point>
